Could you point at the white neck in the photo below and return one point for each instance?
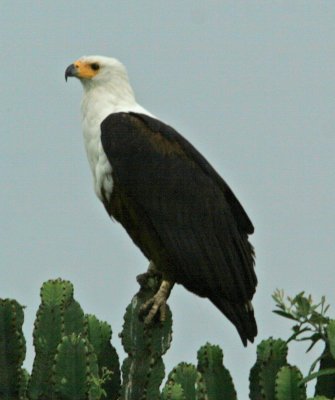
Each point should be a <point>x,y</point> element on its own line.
<point>99,101</point>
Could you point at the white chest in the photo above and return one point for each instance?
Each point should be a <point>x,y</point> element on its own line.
<point>100,166</point>
<point>96,106</point>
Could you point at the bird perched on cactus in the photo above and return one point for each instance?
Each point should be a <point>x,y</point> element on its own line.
<point>173,204</point>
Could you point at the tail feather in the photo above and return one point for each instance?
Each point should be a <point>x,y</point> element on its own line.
<point>242,317</point>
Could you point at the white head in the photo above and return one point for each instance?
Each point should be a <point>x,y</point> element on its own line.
<point>100,72</point>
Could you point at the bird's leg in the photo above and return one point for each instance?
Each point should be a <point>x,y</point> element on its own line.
<point>152,271</point>
<point>157,303</point>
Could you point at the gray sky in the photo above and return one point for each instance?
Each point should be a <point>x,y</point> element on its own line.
<point>250,84</point>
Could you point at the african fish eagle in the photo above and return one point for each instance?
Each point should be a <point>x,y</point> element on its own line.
<point>173,204</point>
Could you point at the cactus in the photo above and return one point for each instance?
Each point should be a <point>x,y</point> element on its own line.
<point>190,379</point>
<point>23,384</point>
<point>271,356</point>
<point>173,391</point>
<point>99,335</point>
<point>325,384</point>
<point>217,379</point>
<point>288,384</point>
<point>75,370</point>
<point>58,315</point>
<point>143,369</point>
<point>12,350</point>
<point>75,359</point>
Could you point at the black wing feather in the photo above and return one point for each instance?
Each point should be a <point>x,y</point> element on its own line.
<point>192,213</point>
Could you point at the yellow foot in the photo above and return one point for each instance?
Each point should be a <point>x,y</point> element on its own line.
<point>157,303</point>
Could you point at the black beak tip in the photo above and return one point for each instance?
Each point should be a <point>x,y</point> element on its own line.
<point>70,71</point>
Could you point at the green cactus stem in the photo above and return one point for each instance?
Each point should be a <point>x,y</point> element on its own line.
<point>143,369</point>
<point>288,384</point>
<point>173,391</point>
<point>99,335</point>
<point>75,370</point>
<point>271,356</point>
<point>58,315</point>
<point>12,349</point>
<point>217,378</point>
<point>325,384</point>
<point>191,381</point>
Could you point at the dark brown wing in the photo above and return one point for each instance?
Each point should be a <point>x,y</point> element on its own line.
<point>191,220</point>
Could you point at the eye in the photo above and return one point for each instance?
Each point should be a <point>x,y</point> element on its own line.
<point>95,66</point>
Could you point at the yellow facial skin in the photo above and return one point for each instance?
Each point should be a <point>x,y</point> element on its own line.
<point>85,70</point>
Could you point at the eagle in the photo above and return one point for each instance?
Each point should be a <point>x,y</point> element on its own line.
<point>173,204</point>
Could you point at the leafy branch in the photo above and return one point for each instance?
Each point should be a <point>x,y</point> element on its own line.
<point>312,324</point>
<point>309,317</point>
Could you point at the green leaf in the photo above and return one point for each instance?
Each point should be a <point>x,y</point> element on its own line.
<point>285,314</point>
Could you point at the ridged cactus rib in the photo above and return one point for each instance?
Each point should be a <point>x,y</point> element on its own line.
<point>75,370</point>
<point>288,384</point>
<point>254,384</point>
<point>56,292</point>
<point>143,369</point>
<point>325,384</point>
<point>190,380</point>
<point>276,358</point>
<point>271,356</point>
<point>58,315</point>
<point>217,379</point>
<point>331,337</point>
<point>12,349</point>
<point>99,335</point>
<point>173,391</point>
<point>23,384</point>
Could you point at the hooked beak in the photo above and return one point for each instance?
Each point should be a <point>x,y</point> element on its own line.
<point>71,70</point>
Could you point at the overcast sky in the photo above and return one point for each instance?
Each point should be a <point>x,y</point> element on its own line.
<point>250,83</point>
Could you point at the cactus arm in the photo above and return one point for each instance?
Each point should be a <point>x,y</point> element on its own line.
<point>288,384</point>
<point>75,370</point>
<point>12,348</point>
<point>143,369</point>
<point>325,384</point>
<point>100,334</point>
<point>186,375</point>
<point>59,314</point>
<point>271,356</point>
<point>217,379</point>
<point>173,391</point>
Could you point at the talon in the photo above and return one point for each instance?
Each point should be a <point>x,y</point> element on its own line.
<point>157,303</point>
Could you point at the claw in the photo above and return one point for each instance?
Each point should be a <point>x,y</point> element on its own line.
<point>157,304</point>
